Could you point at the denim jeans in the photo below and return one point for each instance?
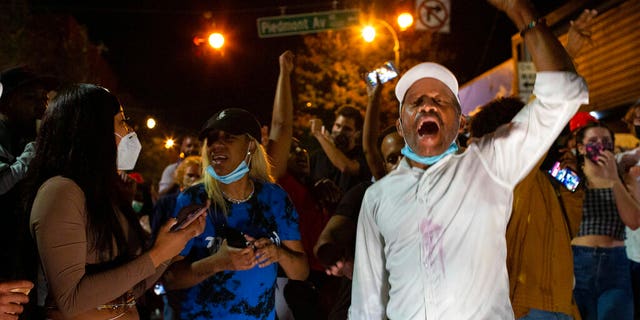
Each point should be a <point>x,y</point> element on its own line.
<point>536,314</point>
<point>603,283</point>
<point>635,284</point>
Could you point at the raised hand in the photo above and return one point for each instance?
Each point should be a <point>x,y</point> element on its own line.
<point>374,92</point>
<point>286,62</point>
<point>604,173</point>
<point>316,128</point>
<point>580,32</point>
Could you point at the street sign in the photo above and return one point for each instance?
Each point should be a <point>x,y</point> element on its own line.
<point>433,15</point>
<point>526,79</point>
<point>286,25</point>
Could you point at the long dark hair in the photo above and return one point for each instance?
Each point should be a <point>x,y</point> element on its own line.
<point>77,141</point>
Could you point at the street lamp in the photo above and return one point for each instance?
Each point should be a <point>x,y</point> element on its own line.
<point>369,33</point>
<point>216,40</point>
<point>405,20</point>
<point>169,143</point>
<point>151,123</point>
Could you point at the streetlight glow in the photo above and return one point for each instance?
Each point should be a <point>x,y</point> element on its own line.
<point>368,33</point>
<point>405,20</point>
<point>151,123</point>
<point>216,40</point>
<point>169,143</point>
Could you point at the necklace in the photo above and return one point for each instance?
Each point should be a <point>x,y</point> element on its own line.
<point>237,201</point>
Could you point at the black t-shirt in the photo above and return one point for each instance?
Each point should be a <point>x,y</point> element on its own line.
<point>321,168</point>
<point>351,202</point>
<point>348,207</point>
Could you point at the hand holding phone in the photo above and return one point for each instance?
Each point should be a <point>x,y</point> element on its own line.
<point>315,126</point>
<point>235,238</point>
<point>189,214</point>
<point>567,177</point>
<point>384,73</point>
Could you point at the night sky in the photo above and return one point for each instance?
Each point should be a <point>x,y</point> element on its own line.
<point>150,49</point>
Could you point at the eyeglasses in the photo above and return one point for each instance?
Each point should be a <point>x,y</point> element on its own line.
<point>192,175</point>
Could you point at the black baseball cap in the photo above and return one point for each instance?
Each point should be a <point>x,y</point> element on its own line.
<point>17,77</point>
<point>235,121</point>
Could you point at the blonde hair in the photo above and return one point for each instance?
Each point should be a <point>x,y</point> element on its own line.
<point>182,168</point>
<point>259,170</point>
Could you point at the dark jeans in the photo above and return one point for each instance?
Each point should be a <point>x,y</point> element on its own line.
<point>603,283</point>
<point>635,283</point>
<point>536,314</point>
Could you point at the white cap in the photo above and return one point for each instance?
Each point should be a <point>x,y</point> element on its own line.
<point>426,70</point>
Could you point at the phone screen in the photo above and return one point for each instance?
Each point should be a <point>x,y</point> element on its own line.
<point>386,72</point>
<point>566,176</point>
<point>187,215</point>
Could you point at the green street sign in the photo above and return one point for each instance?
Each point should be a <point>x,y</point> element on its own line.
<point>286,25</point>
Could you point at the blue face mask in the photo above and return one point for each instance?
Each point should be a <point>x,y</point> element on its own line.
<point>407,152</point>
<point>234,175</point>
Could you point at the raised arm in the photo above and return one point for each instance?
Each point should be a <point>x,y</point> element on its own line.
<point>337,157</point>
<point>559,91</point>
<point>371,130</point>
<point>282,118</point>
<point>545,49</point>
<point>580,32</point>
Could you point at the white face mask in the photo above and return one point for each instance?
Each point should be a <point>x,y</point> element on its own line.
<point>128,151</point>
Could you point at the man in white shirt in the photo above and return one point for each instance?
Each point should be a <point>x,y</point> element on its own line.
<point>431,234</point>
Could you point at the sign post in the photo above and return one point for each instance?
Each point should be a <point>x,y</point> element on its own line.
<point>287,25</point>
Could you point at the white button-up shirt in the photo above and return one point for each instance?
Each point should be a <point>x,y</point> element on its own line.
<point>431,243</point>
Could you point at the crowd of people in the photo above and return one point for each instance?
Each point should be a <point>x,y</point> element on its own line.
<point>441,216</point>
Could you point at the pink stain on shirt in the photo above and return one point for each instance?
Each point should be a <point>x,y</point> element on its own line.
<point>433,253</point>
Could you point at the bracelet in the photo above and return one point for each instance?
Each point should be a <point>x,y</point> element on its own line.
<point>531,25</point>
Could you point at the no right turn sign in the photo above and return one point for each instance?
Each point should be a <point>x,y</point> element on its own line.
<point>433,15</point>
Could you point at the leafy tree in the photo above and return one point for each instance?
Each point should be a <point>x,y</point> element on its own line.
<point>53,44</point>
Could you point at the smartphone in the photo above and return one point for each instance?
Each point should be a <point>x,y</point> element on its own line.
<point>159,289</point>
<point>188,214</point>
<point>567,177</point>
<point>385,72</point>
<point>235,238</point>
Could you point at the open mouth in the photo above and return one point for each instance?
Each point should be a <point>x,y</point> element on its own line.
<point>218,159</point>
<point>428,128</point>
